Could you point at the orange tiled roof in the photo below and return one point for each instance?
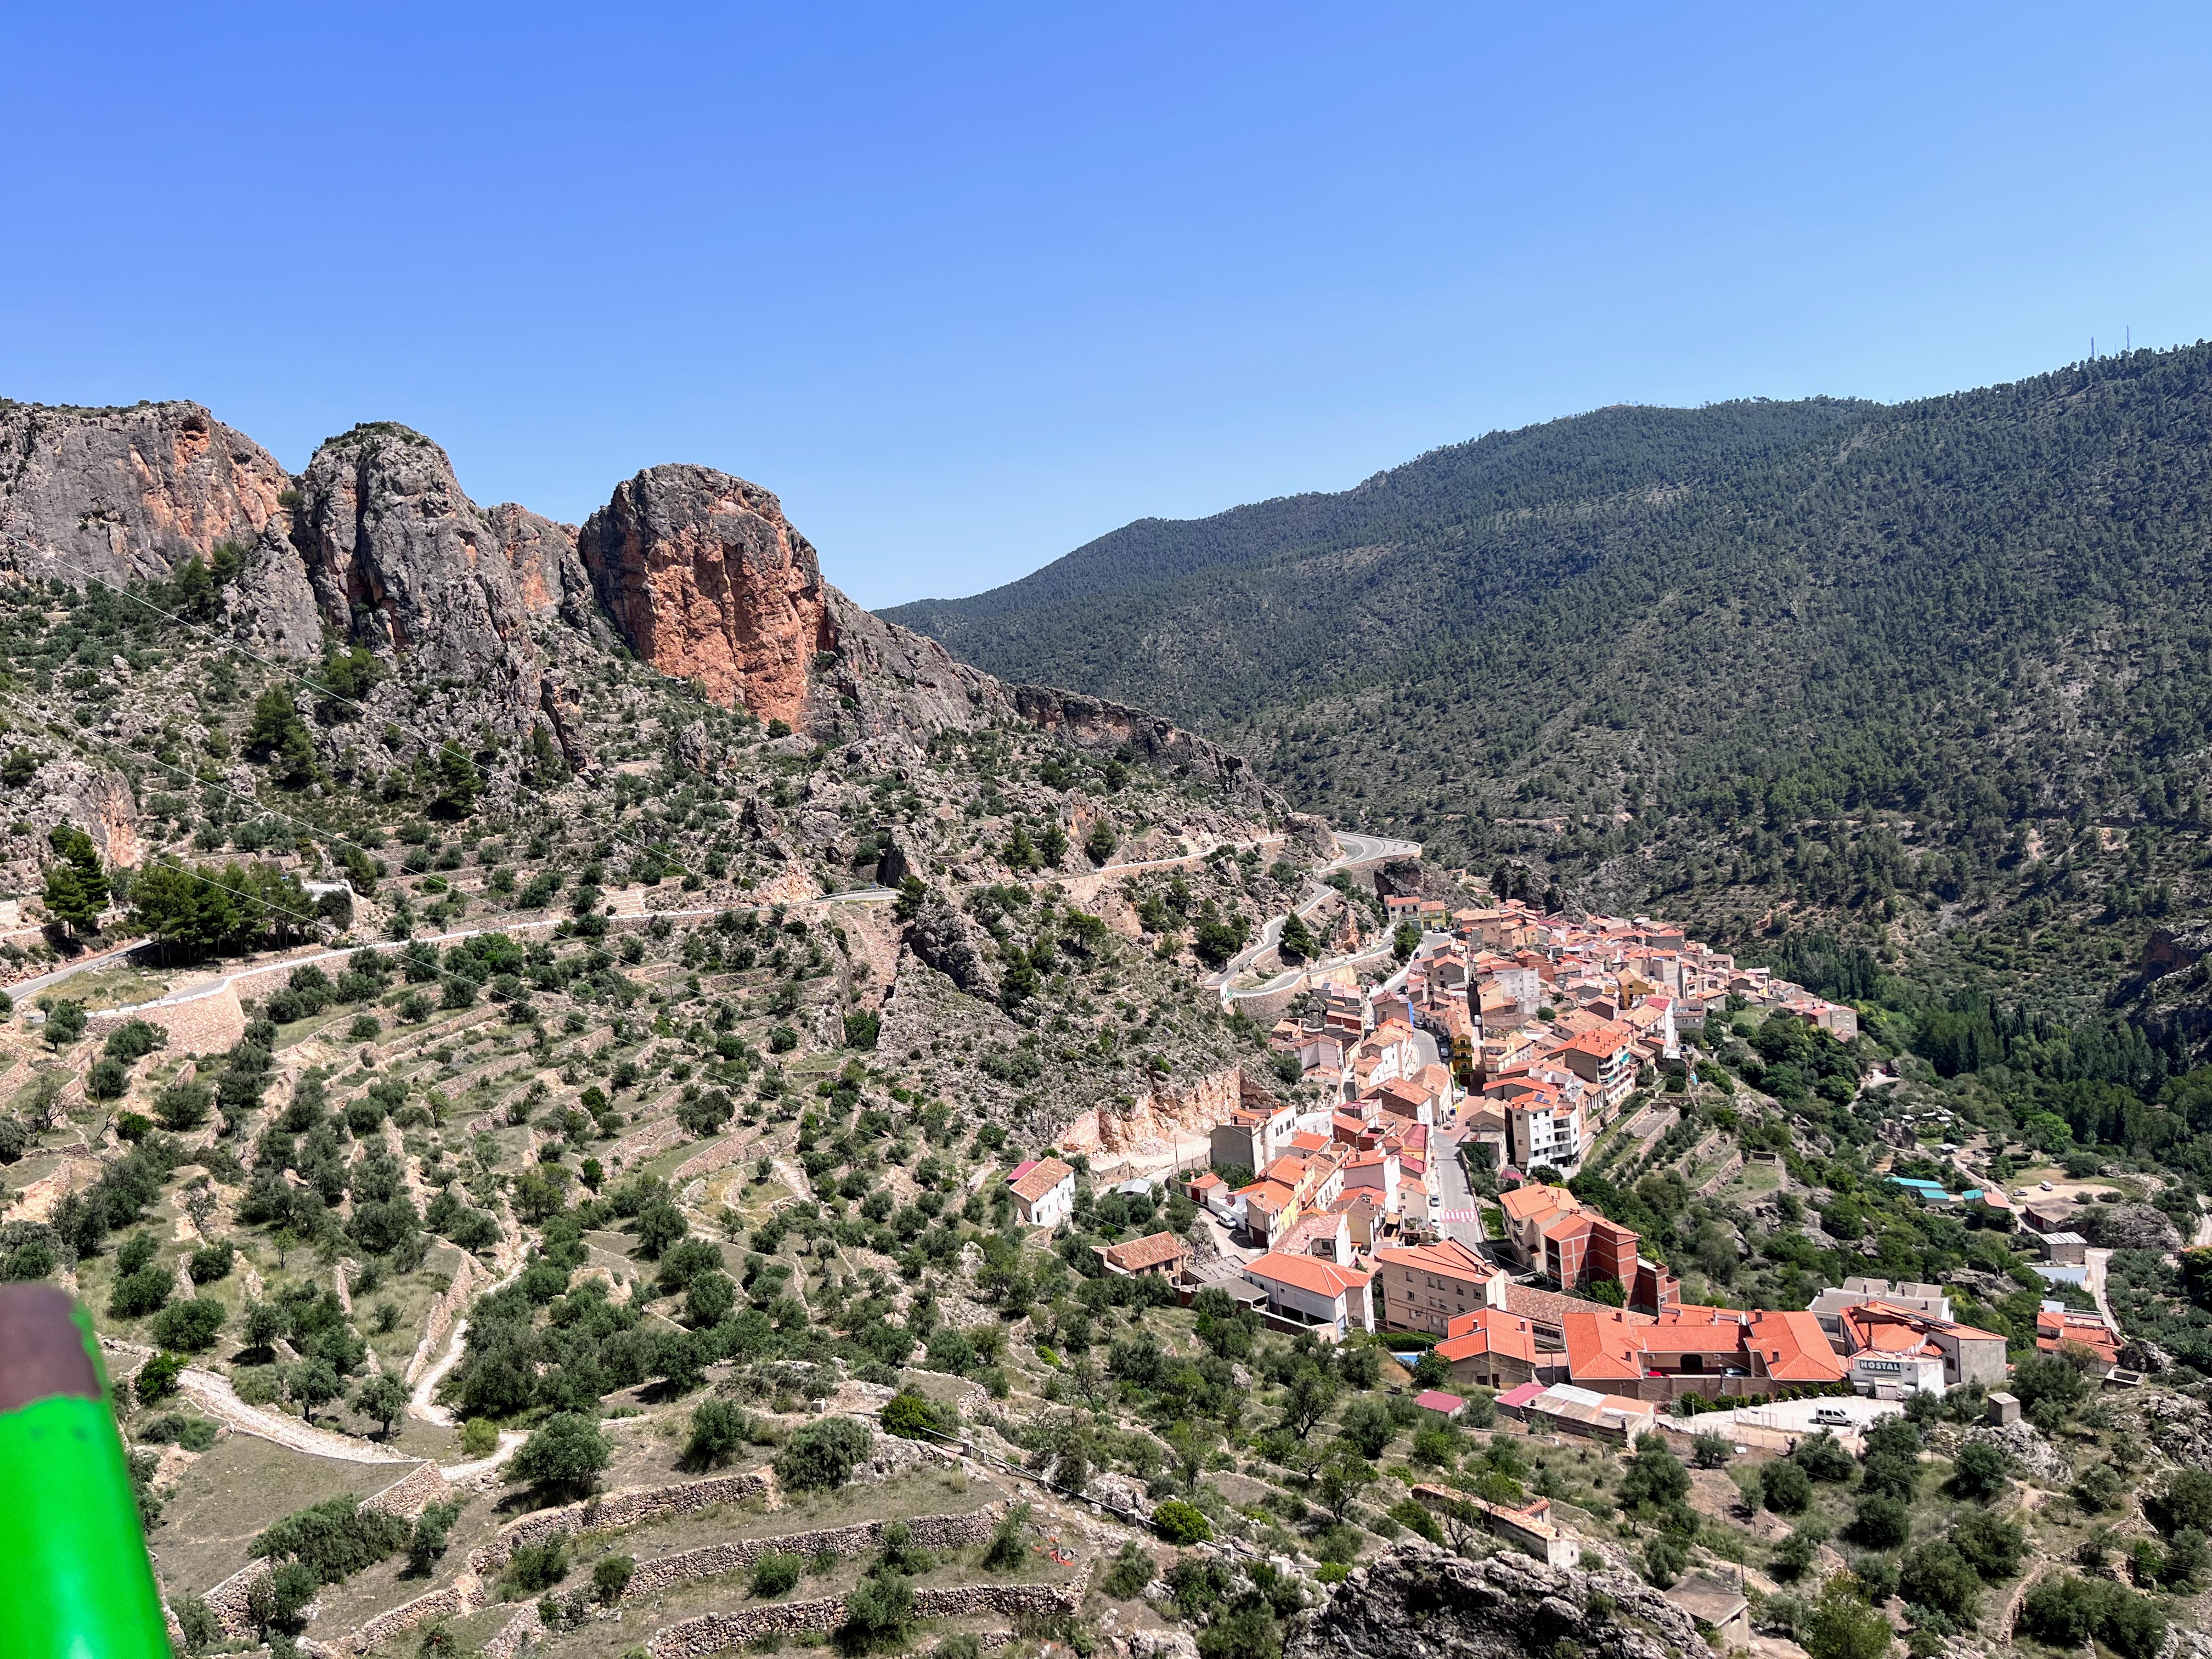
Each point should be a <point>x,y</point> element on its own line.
<point>1041,1180</point>
<point>1525,1202</point>
<point>1306,1273</point>
<point>1268,1196</point>
<point>1488,1330</point>
<point>1446,1257</point>
<point>1600,1346</point>
<point>1794,1348</point>
<point>1150,1251</point>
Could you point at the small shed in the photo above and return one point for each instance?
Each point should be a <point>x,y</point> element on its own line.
<point>2065,1249</point>
<point>2004,1408</point>
<point>1514,1403</point>
<point>1717,1606</point>
<point>1439,1406</point>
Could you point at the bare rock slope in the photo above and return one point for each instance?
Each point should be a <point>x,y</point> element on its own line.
<point>1417,1602</point>
<point>125,493</point>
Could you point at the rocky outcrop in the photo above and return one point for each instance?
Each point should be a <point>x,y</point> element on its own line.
<point>2169,949</point>
<point>548,577</point>
<point>892,686</point>
<point>2128,1227</point>
<point>1160,1127</point>
<point>75,792</point>
<point>127,493</point>
<point>707,581</point>
<point>497,612</point>
<point>270,608</point>
<point>1417,1602</point>
<point>1096,724</point>
<point>400,560</point>
<point>945,939</point>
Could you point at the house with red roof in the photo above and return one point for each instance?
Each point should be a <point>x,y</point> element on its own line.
<point>1896,1352</point>
<point>2056,1328</point>
<point>1159,1256</point>
<point>1694,1350</point>
<point>1559,1235</point>
<point>1606,1058</point>
<point>1496,1348</point>
<point>1326,1297</point>
<point>1271,1210</point>
<point>1377,1172</point>
<point>1044,1192</point>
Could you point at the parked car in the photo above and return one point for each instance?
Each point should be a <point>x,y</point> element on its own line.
<point>1831,1417</point>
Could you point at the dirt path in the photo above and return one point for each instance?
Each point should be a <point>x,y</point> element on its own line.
<point>461,1473</point>
<point>420,1403</point>
<point>213,1396</point>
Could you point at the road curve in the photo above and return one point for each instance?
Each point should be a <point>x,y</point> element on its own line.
<point>1353,852</point>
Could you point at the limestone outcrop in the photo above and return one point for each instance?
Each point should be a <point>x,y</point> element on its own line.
<point>1417,1602</point>
<point>549,579</point>
<point>1094,723</point>
<point>708,581</point>
<point>401,560</point>
<point>500,611</point>
<point>127,493</point>
<point>944,939</point>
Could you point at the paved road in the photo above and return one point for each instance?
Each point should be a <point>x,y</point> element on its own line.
<point>24,988</point>
<point>1451,1177</point>
<point>1352,852</point>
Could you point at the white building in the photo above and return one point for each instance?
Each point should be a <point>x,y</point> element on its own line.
<point>1044,1193</point>
<point>1323,1296</point>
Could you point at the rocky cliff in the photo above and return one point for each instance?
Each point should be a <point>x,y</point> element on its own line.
<point>708,581</point>
<point>1417,1602</point>
<point>499,613</point>
<point>125,493</point>
<point>401,560</point>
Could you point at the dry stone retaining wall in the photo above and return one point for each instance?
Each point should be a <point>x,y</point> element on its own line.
<point>443,1312</point>
<point>936,1532</point>
<point>469,1592</point>
<point>617,1510</point>
<point>206,1024</point>
<point>465,1595</point>
<point>1720,1178</point>
<point>412,1493</point>
<point>715,1157</point>
<point>524,1626</point>
<point>226,1600</point>
<point>648,1142</point>
<point>692,1639</point>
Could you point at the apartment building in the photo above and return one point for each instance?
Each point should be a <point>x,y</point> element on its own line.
<point>1424,1285</point>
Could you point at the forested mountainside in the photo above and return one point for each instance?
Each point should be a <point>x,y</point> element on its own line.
<point>1608,454</point>
<point>1826,664</point>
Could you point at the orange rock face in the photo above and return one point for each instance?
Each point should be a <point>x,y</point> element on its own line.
<point>125,493</point>
<point>708,581</point>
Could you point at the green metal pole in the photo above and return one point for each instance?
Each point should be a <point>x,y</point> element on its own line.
<point>74,1579</point>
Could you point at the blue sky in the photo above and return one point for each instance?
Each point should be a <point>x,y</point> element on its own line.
<point>968,285</point>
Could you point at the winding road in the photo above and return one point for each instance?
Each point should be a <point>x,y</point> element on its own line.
<point>1353,853</point>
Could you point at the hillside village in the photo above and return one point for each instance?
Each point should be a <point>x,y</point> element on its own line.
<point>745,1144</point>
